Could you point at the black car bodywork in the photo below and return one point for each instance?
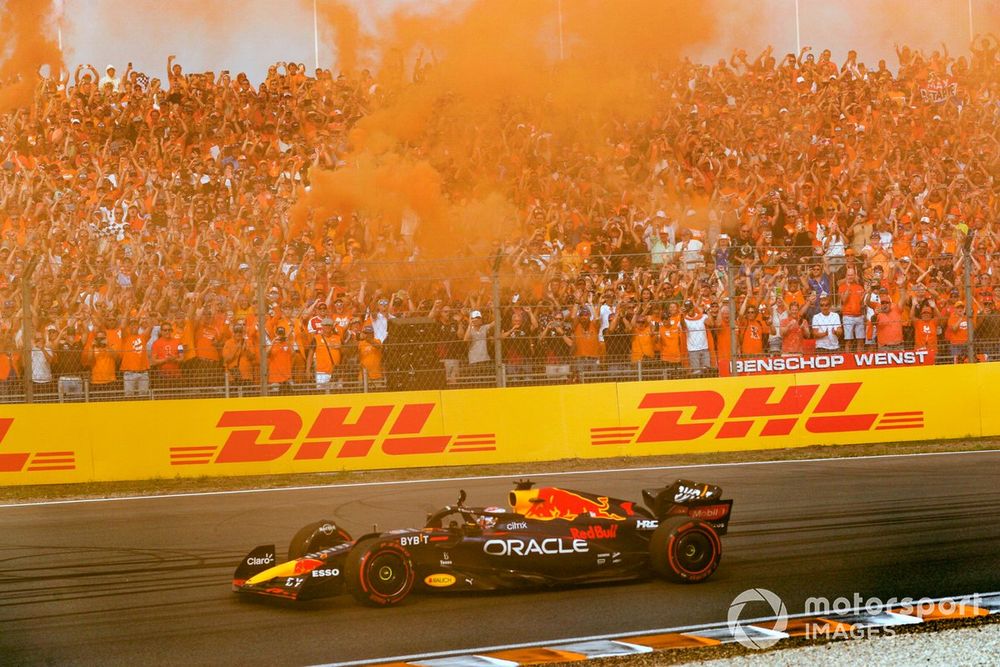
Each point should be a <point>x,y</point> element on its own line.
<point>548,536</point>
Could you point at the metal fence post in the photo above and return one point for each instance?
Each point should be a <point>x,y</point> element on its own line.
<point>497,324</point>
<point>27,330</point>
<point>971,339</point>
<point>261,321</point>
<point>731,289</point>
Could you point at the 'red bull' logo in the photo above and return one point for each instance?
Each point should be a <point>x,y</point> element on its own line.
<point>609,532</point>
<point>267,435</point>
<point>689,415</point>
<point>32,461</point>
<point>552,503</point>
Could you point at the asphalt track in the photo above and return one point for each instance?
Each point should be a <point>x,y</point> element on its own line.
<point>146,581</point>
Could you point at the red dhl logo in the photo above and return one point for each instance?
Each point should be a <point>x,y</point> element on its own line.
<point>32,461</point>
<point>267,435</point>
<point>705,409</point>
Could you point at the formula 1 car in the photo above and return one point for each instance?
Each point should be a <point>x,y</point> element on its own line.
<point>548,537</point>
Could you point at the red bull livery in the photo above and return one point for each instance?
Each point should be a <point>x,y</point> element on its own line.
<point>546,537</point>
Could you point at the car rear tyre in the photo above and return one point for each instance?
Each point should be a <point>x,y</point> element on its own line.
<point>379,573</point>
<point>315,537</point>
<point>685,550</point>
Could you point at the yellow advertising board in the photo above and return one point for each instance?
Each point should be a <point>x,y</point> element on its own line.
<point>43,444</point>
<point>983,384</point>
<point>791,410</point>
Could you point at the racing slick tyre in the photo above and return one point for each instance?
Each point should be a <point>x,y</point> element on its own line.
<point>315,537</point>
<point>379,573</point>
<point>685,550</point>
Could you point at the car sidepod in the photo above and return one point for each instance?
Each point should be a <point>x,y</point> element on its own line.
<point>517,552</point>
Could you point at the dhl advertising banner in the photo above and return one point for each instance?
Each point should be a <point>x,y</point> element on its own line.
<point>43,444</point>
<point>765,412</point>
<point>986,382</point>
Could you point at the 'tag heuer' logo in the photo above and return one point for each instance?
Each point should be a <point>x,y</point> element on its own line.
<point>705,409</point>
<point>330,430</point>
<point>32,461</point>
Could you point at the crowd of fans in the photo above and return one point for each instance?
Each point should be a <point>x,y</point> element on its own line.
<point>771,205</point>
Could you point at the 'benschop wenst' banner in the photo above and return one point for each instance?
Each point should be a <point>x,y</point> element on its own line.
<point>804,363</point>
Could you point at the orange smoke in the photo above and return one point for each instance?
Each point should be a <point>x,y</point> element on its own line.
<point>26,26</point>
<point>491,86</point>
<point>497,51</point>
<point>385,187</point>
<point>342,19</point>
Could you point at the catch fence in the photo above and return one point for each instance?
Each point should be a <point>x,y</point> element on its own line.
<point>514,319</point>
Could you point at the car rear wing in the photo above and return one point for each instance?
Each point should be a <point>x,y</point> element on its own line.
<point>695,499</point>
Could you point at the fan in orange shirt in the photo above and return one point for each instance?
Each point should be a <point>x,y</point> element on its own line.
<point>103,362</point>
<point>671,339</point>
<point>8,365</point>
<point>279,361</point>
<point>851,295</point>
<point>370,353</point>
<point>239,354</point>
<point>643,342</point>
<point>925,327</point>
<point>135,359</point>
<point>204,330</point>
<point>722,334</point>
<point>324,352</point>
<point>958,327</point>
<point>751,329</point>
<point>166,356</point>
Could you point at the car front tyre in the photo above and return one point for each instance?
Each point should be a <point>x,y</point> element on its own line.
<point>379,573</point>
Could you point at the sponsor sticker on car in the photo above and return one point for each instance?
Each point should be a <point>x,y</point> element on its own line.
<point>533,547</point>
<point>266,559</point>
<point>595,532</point>
<point>709,512</point>
<point>439,580</point>
<point>326,572</point>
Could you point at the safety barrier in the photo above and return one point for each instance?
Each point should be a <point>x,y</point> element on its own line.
<point>43,444</point>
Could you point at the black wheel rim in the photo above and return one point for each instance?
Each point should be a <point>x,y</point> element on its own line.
<point>693,551</point>
<point>387,574</point>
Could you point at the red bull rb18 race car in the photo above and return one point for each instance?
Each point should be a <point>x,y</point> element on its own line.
<point>547,537</point>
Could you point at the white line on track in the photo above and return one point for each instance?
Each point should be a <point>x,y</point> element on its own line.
<point>401,482</point>
<point>555,643</point>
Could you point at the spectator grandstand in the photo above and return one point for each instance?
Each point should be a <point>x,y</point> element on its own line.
<point>151,245</point>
